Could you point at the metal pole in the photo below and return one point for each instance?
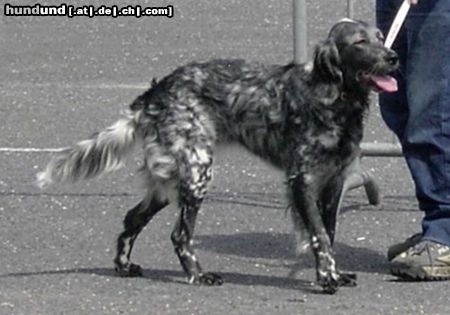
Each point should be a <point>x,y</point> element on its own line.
<point>381,149</point>
<point>350,9</point>
<point>300,32</point>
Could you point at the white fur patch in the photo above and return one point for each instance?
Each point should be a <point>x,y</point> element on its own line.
<point>308,178</point>
<point>44,179</point>
<point>308,66</point>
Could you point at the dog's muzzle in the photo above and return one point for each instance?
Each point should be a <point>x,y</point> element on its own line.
<point>383,82</point>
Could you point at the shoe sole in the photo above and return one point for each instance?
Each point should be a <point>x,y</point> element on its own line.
<point>422,273</point>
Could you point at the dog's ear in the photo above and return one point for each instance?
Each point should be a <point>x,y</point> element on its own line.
<point>327,62</point>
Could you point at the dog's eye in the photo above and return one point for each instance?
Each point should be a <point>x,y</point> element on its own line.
<point>362,41</point>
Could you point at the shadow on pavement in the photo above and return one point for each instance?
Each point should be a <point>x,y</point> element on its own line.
<point>276,246</point>
<point>156,274</point>
<point>179,277</point>
<point>281,246</point>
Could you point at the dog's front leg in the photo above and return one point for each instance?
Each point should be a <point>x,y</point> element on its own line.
<point>306,189</point>
<point>330,203</point>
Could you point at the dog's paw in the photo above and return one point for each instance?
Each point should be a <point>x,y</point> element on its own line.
<point>347,279</point>
<point>130,270</point>
<point>332,281</point>
<point>208,278</point>
<point>329,286</point>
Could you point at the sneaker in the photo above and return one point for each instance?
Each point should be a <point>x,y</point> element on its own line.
<point>397,249</point>
<point>426,260</point>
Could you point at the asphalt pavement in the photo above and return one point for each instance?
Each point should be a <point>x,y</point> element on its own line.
<point>61,79</point>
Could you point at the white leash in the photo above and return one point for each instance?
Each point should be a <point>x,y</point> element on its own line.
<point>397,24</point>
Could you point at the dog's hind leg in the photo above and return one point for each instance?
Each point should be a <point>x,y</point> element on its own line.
<point>192,189</point>
<point>135,220</point>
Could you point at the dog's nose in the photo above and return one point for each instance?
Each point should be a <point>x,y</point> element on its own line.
<point>391,58</point>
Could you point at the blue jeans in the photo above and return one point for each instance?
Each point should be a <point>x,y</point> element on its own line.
<point>419,114</point>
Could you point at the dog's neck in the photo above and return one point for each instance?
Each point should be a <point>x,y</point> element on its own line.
<point>352,97</point>
<point>350,94</point>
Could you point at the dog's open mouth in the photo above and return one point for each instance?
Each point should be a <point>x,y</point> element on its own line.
<point>381,82</point>
<point>385,83</point>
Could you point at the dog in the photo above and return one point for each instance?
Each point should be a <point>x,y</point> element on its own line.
<point>306,120</point>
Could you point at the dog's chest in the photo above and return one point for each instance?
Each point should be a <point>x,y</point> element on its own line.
<point>327,139</point>
<point>336,132</point>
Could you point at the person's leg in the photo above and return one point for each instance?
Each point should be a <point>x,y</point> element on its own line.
<point>423,127</point>
<point>394,106</point>
<point>419,113</point>
<point>426,137</point>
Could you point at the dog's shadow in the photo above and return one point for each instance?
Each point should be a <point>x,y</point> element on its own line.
<point>282,246</point>
<point>273,246</point>
<point>179,277</point>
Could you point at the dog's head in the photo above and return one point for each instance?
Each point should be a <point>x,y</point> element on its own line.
<point>354,55</point>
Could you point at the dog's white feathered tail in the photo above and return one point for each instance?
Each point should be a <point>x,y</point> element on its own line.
<point>103,153</point>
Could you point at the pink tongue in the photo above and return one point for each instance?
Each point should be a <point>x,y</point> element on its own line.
<point>385,83</point>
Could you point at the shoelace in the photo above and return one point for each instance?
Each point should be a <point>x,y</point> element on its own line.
<point>419,248</point>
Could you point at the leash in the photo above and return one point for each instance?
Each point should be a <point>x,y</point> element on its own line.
<point>397,24</point>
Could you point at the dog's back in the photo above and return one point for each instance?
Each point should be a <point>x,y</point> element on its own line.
<point>225,100</point>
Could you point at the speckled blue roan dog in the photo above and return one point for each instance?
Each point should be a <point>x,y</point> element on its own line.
<point>305,119</point>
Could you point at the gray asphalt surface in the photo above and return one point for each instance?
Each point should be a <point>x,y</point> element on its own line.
<point>62,79</point>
